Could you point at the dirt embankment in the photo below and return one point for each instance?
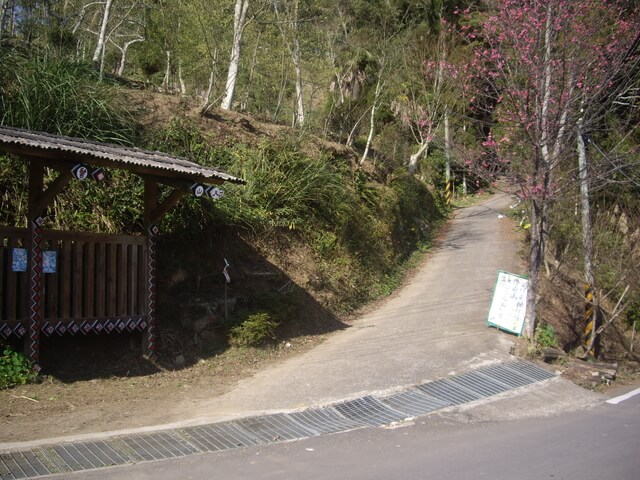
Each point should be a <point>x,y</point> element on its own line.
<point>100,383</point>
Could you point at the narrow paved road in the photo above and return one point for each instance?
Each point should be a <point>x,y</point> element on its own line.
<point>432,327</point>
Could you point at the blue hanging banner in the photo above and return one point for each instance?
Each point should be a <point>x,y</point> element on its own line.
<point>49,261</point>
<point>19,260</point>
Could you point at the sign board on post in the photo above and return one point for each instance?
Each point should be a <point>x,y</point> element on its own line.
<point>509,303</point>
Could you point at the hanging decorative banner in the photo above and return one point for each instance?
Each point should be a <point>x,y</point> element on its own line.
<point>197,189</point>
<point>80,171</point>
<point>509,303</point>
<point>49,261</point>
<point>19,260</point>
<point>214,192</point>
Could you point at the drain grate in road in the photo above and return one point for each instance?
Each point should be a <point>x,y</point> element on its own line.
<point>275,428</point>
<point>103,451</point>
<point>370,411</point>
<point>268,429</point>
<point>504,375</point>
<point>448,391</point>
<point>414,403</point>
<point>537,374</point>
<point>158,446</point>
<point>480,384</point>
<point>326,420</point>
<point>223,436</point>
<point>28,463</point>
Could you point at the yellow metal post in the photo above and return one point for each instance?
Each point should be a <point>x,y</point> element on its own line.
<point>588,316</point>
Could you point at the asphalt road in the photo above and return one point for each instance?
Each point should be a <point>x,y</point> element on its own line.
<point>600,443</point>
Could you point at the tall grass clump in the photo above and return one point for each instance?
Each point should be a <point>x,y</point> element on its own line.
<point>286,188</point>
<point>44,93</point>
<point>56,95</point>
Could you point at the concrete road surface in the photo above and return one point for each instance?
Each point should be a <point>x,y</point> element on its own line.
<point>432,327</point>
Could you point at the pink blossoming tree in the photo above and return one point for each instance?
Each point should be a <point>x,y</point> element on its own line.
<point>543,66</point>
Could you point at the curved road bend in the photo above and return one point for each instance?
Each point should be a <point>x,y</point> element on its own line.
<point>432,327</point>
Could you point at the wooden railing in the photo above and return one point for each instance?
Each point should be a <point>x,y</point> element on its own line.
<point>94,277</point>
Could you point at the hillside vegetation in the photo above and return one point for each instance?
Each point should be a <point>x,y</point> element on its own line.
<point>352,122</point>
<point>309,238</point>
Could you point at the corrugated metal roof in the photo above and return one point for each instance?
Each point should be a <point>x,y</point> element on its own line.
<point>46,145</point>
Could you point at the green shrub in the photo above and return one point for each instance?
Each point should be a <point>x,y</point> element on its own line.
<point>546,337</point>
<point>633,313</point>
<point>15,369</point>
<point>254,331</point>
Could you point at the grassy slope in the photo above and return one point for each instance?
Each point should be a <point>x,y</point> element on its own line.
<point>307,275</point>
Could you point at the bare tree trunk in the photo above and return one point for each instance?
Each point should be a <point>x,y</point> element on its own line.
<point>244,104</point>
<point>413,159</point>
<point>183,86</point>
<point>123,54</point>
<point>167,72</point>
<point>376,100</point>
<point>293,47</point>
<point>587,241</point>
<point>544,161</point>
<point>212,79</point>
<point>535,261</point>
<point>295,57</point>
<point>239,23</point>
<point>283,86</point>
<point>3,9</point>
<point>100,46</point>
<point>349,141</point>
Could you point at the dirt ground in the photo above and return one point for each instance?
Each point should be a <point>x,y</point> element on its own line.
<point>130,393</point>
<point>100,383</point>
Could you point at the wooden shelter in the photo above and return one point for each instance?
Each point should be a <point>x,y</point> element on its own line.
<point>64,283</point>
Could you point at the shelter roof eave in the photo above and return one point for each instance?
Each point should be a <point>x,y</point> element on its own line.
<point>29,144</point>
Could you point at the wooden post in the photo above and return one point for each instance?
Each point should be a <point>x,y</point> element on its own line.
<point>36,294</point>
<point>150,207</point>
<point>153,211</point>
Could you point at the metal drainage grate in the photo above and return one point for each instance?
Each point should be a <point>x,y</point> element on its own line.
<point>414,403</point>
<point>325,420</point>
<point>479,384</point>
<point>220,436</point>
<point>366,411</point>
<point>448,391</point>
<point>537,374</point>
<point>509,377</point>
<point>370,411</point>
<point>157,446</point>
<point>275,428</point>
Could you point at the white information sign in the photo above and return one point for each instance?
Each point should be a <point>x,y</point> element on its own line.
<point>509,303</point>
